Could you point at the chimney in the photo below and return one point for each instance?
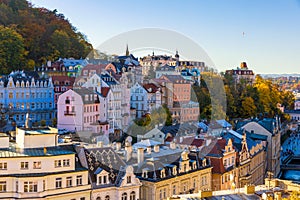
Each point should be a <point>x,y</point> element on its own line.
<point>128,150</point>
<point>156,148</point>
<point>172,145</point>
<point>140,156</point>
<point>118,146</point>
<point>100,144</point>
<point>149,149</point>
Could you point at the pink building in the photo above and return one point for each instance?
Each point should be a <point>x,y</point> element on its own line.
<point>79,110</point>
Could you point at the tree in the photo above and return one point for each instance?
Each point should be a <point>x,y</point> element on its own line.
<point>12,50</point>
<point>248,108</point>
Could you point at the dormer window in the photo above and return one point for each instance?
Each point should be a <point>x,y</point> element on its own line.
<point>145,174</point>
<point>194,165</point>
<point>128,179</point>
<point>174,171</point>
<point>163,173</point>
<point>27,84</point>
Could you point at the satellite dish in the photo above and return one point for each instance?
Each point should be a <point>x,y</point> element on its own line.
<point>129,139</point>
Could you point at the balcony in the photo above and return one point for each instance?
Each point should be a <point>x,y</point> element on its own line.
<point>70,113</point>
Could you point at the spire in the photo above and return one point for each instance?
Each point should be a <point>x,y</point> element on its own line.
<point>127,51</point>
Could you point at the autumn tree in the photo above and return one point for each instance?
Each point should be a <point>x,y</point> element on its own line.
<point>12,50</point>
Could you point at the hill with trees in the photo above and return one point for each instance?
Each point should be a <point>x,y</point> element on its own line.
<point>260,99</point>
<point>30,36</point>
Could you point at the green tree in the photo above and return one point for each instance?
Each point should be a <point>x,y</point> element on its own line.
<point>12,50</point>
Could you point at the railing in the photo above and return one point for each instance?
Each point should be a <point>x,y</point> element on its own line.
<point>70,113</point>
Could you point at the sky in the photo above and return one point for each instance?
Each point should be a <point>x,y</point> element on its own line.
<point>270,43</point>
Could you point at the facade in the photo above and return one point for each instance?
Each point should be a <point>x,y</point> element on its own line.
<point>242,73</point>
<point>176,94</point>
<point>35,167</point>
<point>237,160</point>
<point>153,95</point>
<point>79,110</point>
<point>166,70</point>
<point>110,178</point>
<point>25,92</point>
<point>61,84</point>
<point>139,100</point>
<point>271,128</point>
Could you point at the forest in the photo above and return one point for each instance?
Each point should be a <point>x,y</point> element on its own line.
<point>29,36</point>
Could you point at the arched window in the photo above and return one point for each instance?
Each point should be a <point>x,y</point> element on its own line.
<point>106,197</point>
<point>124,196</point>
<point>98,198</point>
<point>132,195</point>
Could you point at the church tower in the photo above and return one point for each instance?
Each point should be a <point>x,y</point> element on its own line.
<point>127,51</point>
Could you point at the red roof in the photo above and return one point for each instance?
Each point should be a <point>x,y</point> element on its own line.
<point>63,79</point>
<point>151,87</point>
<point>104,91</point>
<point>218,147</point>
<point>217,164</point>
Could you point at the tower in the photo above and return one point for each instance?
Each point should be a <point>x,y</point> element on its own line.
<point>127,51</point>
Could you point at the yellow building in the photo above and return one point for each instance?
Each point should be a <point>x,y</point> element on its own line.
<point>168,170</point>
<point>237,160</point>
<point>35,167</point>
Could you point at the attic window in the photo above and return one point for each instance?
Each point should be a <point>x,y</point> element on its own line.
<point>128,179</point>
<point>163,173</point>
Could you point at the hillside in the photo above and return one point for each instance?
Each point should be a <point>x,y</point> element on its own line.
<point>29,36</point>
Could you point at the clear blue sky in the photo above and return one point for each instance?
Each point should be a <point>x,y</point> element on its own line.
<point>271,43</point>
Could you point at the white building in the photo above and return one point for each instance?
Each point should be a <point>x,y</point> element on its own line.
<point>79,109</point>
<point>139,100</point>
<point>36,168</point>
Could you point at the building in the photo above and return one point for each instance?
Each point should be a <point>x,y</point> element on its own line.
<point>62,67</point>
<point>166,170</point>
<point>79,110</point>
<point>153,95</point>
<point>139,100</point>
<point>25,92</point>
<point>241,73</point>
<point>271,128</point>
<point>176,94</point>
<point>110,177</point>
<point>36,167</point>
<point>115,97</point>
<point>61,84</point>
<point>166,70</point>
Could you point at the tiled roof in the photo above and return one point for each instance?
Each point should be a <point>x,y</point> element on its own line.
<point>217,164</point>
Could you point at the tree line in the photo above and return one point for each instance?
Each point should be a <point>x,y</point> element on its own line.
<point>243,100</point>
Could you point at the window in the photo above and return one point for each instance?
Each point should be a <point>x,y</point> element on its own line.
<point>10,95</point>
<point>124,196</point>
<point>104,179</point>
<point>58,183</point>
<point>128,179</point>
<point>57,163</point>
<point>174,189</point>
<point>79,180</point>
<point>132,195</point>
<point>66,162</point>
<point>24,165</point>
<point>30,186</point>
<point>37,165</point>
<point>3,166</point>
<point>2,186</point>
<point>69,181</point>
<point>82,198</point>
<point>106,197</point>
